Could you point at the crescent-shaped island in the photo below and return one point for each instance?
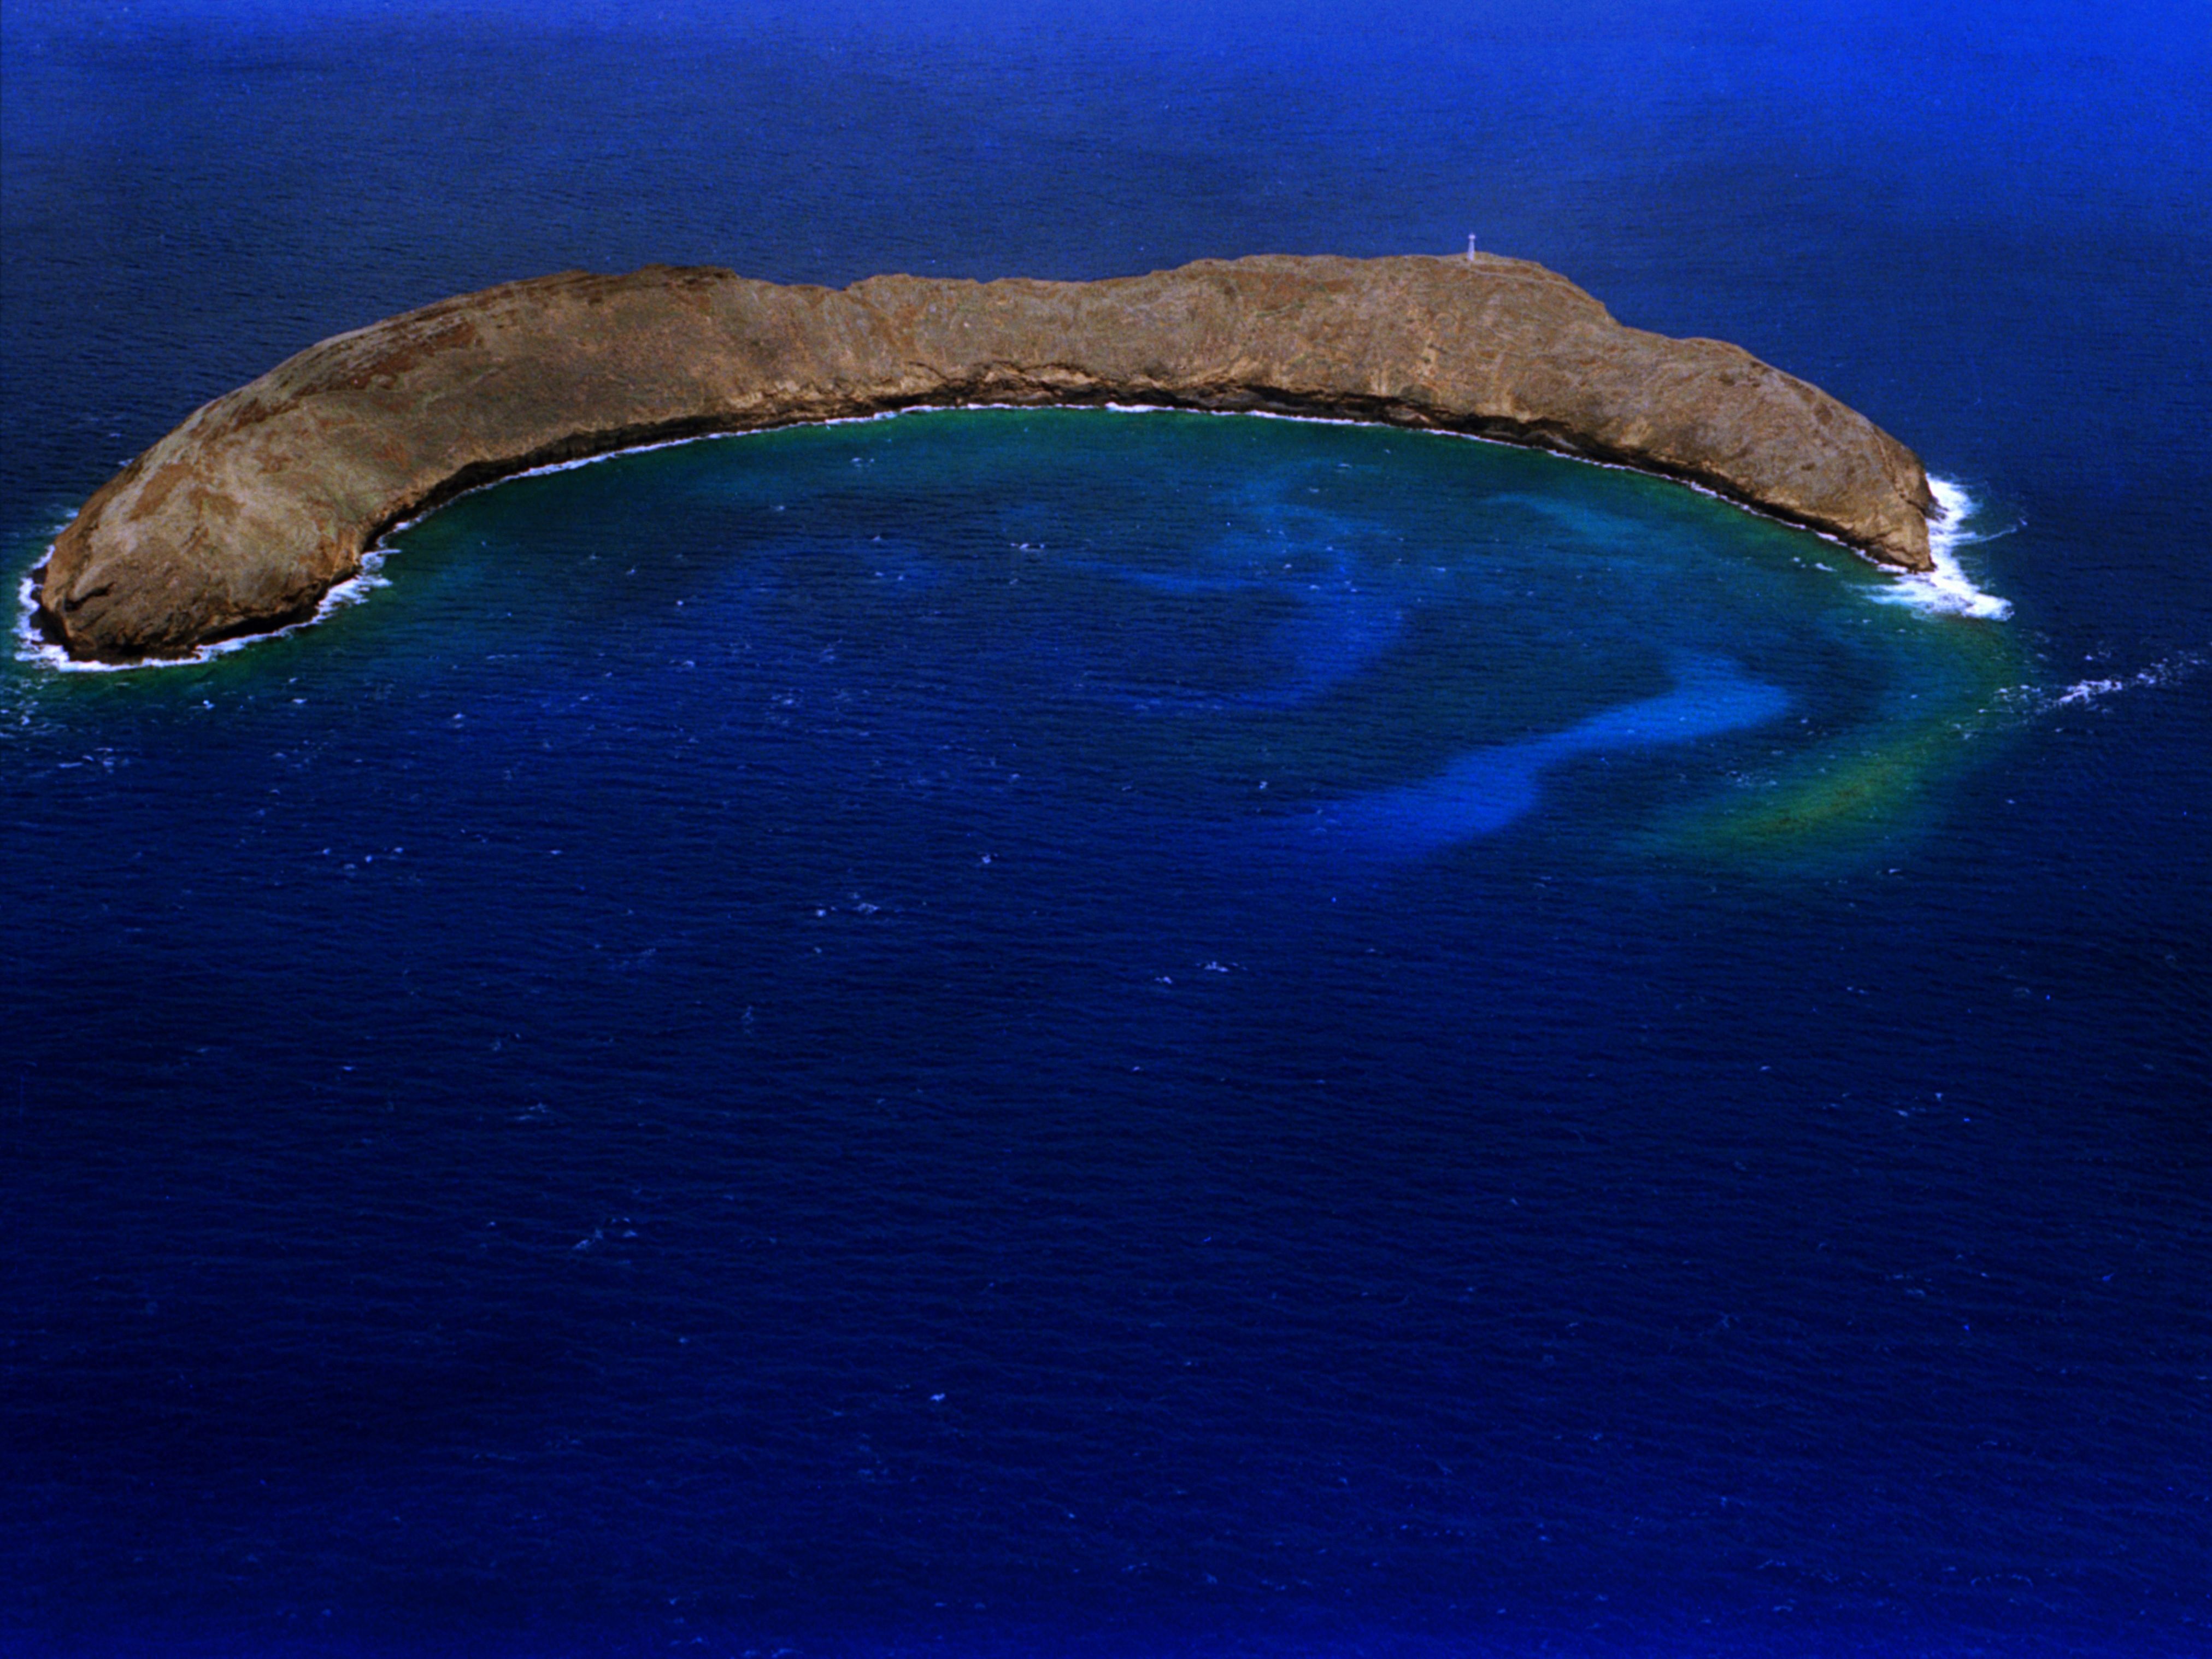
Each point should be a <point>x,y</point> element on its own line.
<point>241,519</point>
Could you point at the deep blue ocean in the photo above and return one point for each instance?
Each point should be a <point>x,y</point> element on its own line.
<point>1125,1036</point>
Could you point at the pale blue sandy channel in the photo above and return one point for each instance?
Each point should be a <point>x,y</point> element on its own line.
<point>1485,790</point>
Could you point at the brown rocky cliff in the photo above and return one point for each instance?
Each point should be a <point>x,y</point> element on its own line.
<point>248,513</point>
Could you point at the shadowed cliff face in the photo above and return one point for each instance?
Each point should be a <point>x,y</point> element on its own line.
<point>243,517</point>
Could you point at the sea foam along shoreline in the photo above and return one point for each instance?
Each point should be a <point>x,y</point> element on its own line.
<point>1948,590</point>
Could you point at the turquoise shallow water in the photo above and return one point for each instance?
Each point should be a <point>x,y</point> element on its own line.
<point>1123,1035</point>
<point>1371,643</point>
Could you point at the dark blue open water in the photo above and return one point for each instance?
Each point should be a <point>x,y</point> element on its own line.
<point>1064,1033</point>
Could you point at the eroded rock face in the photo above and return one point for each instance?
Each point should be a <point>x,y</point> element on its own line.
<point>246,514</point>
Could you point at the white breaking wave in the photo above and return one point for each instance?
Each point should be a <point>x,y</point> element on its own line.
<point>2180,666</point>
<point>1947,590</point>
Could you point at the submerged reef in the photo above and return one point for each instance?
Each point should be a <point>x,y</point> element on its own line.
<point>241,519</point>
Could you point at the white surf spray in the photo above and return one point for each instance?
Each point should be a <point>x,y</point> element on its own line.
<point>1947,591</point>
<point>2169,671</point>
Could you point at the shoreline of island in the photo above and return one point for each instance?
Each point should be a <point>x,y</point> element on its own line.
<point>1944,590</point>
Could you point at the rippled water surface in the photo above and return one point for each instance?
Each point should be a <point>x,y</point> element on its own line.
<point>1123,1033</point>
